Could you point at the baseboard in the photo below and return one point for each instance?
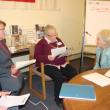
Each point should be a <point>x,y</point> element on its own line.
<point>78,55</point>
<point>74,56</point>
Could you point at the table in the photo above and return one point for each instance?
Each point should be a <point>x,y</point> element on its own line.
<point>102,95</point>
<point>21,51</point>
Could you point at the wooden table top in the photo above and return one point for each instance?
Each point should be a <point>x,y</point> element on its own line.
<point>102,95</point>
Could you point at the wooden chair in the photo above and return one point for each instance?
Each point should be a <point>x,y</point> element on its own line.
<point>44,77</point>
<point>33,71</point>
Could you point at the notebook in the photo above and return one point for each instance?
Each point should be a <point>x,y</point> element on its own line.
<point>77,91</point>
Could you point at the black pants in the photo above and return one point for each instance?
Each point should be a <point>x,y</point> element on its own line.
<point>59,76</point>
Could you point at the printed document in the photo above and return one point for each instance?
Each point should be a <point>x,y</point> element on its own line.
<point>58,51</point>
<point>21,64</point>
<point>97,78</point>
<point>10,101</point>
<point>107,73</point>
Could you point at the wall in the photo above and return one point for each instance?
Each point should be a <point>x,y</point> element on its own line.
<point>68,20</point>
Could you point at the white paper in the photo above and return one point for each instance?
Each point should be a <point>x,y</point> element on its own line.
<point>97,78</point>
<point>10,101</point>
<point>58,51</point>
<point>21,64</point>
<point>107,73</point>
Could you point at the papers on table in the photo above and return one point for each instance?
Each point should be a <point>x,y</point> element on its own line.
<point>10,101</point>
<point>107,73</point>
<point>21,64</point>
<point>59,52</point>
<point>97,78</point>
<point>77,91</point>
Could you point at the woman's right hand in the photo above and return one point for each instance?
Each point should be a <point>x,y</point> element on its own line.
<point>51,58</point>
<point>4,93</point>
<point>3,108</point>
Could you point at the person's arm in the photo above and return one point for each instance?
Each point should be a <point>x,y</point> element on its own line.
<point>6,64</point>
<point>39,52</point>
<point>3,108</point>
<point>96,62</point>
<point>4,93</point>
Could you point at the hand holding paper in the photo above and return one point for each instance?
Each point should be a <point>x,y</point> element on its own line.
<point>10,101</point>
<point>59,51</point>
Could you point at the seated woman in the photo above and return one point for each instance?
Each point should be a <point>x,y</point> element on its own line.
<point>8,73</point>
<point>55,67</point>
<point>103,49</point>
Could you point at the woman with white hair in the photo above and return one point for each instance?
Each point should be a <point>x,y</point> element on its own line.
<point>55,67</point>
<point>103,49</point>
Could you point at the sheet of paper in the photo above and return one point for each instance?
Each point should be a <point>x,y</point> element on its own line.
<point>10,101</point>
<point>58,51</point>
<point>97,78</point>
<point>107,73</point>
<point>21,64</point>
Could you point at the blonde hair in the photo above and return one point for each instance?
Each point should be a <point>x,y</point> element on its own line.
<point>104,35</point>
<point>48,28</point>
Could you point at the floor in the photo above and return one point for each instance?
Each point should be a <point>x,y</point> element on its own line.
<point>34,103</point>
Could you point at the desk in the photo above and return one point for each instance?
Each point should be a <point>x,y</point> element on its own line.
<point>102,95</point>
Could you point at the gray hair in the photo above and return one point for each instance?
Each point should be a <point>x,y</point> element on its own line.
<point>104,35</point>
<point>47,28</point>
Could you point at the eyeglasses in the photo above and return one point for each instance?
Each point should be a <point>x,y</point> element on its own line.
<point>2,29</point>
<point>52,35</point>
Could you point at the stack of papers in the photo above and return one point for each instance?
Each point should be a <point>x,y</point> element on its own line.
<point>22,64</point>
<point>98,79</point>
<point>59,51</point>
<point>10,101</point>
<point>77,91</point>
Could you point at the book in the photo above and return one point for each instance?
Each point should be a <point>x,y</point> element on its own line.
<point>10,101</point>
<point>77,91</point>
<point>58,51</point>
<point>22,64</point>
<point>98,79</point>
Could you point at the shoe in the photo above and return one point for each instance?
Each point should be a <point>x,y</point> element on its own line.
<point>59,103</point>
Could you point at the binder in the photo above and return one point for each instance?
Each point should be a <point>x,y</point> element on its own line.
<point>77,91</point>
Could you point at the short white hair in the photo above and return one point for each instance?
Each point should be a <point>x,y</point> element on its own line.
<point>48,28</point>
<point>104,35</point>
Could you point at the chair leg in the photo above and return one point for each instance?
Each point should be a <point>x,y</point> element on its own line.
<point>43,81</point>
<point>41,95</point>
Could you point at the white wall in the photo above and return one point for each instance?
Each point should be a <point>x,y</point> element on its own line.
<point>68,20</point>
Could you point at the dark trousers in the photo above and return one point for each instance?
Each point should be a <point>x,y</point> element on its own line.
<point>59,76</point>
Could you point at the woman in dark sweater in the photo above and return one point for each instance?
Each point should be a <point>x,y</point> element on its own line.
<point>55,67</point>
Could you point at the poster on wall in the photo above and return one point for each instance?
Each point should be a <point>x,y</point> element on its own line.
<point>97,19</point>
<point>20,0</point>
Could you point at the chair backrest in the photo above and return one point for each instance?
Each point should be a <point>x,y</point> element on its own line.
<point>31,56</point>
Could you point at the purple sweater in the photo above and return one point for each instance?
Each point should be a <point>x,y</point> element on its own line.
<point>43,49</point>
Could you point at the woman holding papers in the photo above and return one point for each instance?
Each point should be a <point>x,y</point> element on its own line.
<point>8,73</point>
<point>103,49</point>
<point>55,66</point>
